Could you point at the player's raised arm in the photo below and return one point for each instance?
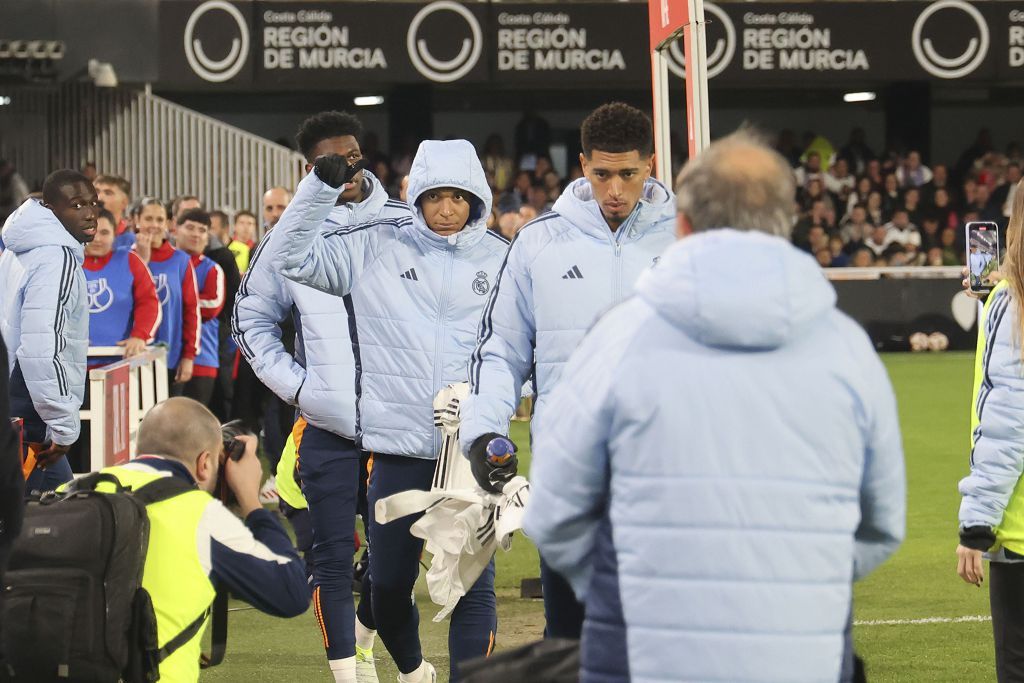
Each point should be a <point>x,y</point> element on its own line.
<point>304,255</point>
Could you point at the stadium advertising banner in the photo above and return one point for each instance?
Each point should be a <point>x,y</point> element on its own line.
<point>330,45</point>
<point>279,44</point>
<point>578,42</point>
<point>317,43</point>
<point>863,41</point>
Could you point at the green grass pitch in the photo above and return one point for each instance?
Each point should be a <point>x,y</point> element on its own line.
<point>919,582</point>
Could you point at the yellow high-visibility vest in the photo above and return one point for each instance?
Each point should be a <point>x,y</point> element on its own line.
<point>174,576</point>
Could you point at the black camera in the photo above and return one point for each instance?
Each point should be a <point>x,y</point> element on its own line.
<point>234,449</point>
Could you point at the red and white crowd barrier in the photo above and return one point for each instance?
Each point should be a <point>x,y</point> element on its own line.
<point>120,396</point>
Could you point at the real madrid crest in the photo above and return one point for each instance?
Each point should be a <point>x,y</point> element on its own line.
<point>480,285</point>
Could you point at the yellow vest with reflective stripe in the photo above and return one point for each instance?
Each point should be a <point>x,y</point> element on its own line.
<point>174,575</point>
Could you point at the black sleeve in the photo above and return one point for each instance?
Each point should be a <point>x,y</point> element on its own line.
<point>232,280</point>
<point>11,482</point>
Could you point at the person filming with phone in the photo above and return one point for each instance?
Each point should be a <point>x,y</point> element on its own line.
<point>992,506</point>
<point>195,540</point>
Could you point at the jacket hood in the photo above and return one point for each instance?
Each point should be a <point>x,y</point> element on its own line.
<point>32,226</point>
<point>578,206</point>
<point>732,289</point>
<point>450,163</point>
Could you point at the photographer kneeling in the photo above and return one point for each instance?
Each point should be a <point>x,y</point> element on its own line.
<point>195,539</point>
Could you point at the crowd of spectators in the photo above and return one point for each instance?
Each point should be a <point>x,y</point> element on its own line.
<point>857,207</point>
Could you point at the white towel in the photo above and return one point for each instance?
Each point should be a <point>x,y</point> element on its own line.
<point>462,524</point>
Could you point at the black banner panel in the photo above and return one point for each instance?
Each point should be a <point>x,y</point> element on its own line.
<point>893,310</point>
<point>282,44</point>
<point>584,44</point>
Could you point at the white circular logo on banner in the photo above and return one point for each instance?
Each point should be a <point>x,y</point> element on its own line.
<point>718,58</point>
<point>945,67</point>
<point>216,71</point>
<point>436,69</point>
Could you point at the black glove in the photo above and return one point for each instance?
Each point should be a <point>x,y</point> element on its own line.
<point>490,476</point>
<point>335,170</point>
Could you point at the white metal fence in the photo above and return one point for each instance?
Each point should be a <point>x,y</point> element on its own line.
<point>162,148</point>
<point>120,395</point>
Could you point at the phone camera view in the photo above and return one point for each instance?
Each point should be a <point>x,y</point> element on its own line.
<point>982,255</point>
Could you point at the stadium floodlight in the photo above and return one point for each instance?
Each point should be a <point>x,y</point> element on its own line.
<point>866,96</point>
<point>102,74</point>
<point>5,100</point>
<point>368,100</point>
<point>670,20</point>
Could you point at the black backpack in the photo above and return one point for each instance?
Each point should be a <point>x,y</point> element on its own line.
<point>554,660</point>
<point>74,608</point>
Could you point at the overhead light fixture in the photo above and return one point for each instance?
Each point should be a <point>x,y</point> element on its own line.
<point>5,100</point>
<point>866,96</point>
<point>102,74</point>
<point>368,100</point>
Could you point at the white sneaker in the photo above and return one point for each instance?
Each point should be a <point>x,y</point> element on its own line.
<point>268,492</point>
<point>427,674</point>
<point>366,667</point>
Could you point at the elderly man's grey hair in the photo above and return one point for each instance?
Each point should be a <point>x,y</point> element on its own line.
<point>738,182</point>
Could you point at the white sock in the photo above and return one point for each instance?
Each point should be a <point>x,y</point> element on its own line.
<point>365,637</point>
<point>343,670</point>
<point>414,676</point>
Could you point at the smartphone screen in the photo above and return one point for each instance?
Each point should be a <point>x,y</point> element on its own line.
<point>982,254</point>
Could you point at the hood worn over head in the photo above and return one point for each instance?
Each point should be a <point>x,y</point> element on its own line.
<point>450,163</point>
<point>33,226</point>
<point>732,289</point>
<point>578,205</point>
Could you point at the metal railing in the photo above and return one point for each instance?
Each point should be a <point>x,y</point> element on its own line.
<point>162,148</point>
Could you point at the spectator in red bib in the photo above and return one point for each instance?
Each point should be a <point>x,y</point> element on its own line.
<point>175,282</point>
<point>123,307</point>
<point>193,237</point>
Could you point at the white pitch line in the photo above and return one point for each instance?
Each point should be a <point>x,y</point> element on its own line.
<point>926,620</point>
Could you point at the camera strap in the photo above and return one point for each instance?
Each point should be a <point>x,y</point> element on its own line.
<point>218,610</point>
<point>218,630</point>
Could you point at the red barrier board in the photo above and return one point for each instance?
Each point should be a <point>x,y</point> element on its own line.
<point>116,423</point>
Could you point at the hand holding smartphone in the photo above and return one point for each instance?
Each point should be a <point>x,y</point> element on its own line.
<point>982,238</point>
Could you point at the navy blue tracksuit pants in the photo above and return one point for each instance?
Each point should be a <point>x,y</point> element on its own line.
<point>328,467</point>
<point>35,432</point>
<point>562,612</point>
<point>394,567</point>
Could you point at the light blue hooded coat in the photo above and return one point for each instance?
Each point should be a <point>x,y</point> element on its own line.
<point>320,378</point>
<point>563,270</point>
<point>727,460</point>
<point>413,297</point>
<point>44,316</point>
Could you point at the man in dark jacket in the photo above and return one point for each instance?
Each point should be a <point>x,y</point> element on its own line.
<point>217,252</point>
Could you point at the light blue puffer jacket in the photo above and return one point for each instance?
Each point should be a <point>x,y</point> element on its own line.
<point>413,297</point>
<point>563,270</point>
<point>44,315</point>
<point>727,455</point>
<point>996,458</point>
<point>323,366</point>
